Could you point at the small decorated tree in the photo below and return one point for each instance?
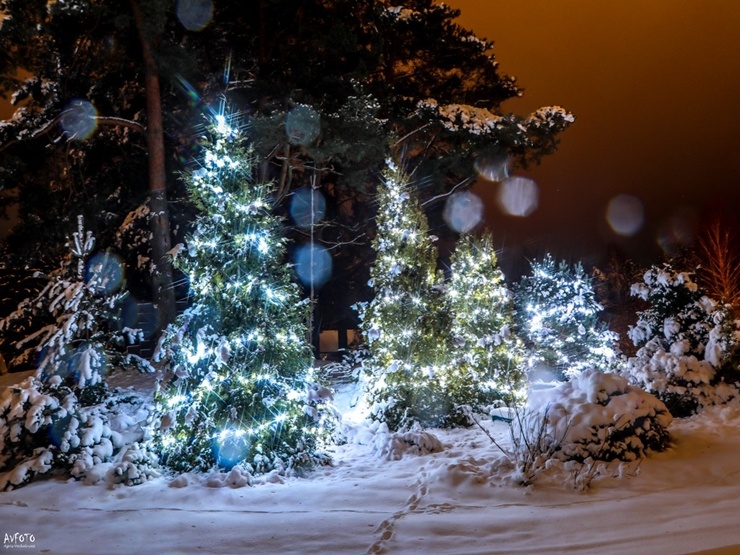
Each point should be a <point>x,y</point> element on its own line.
<point>557,314</point>
<point>488,356</point>
<point>239,390</point>
<point>686,342</point>
<point>406,324</point>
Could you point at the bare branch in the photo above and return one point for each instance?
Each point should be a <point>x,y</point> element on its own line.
<point>448,193</point>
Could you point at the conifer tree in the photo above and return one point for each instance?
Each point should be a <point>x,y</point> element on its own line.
<point>488,356</point>
<point>557,314</point>
<point>687,342</point>
<point>406,324</point>
<point>239,357</point>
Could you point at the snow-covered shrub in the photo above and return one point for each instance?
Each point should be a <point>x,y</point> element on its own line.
<point>598,416</point>
<point>138,464</point>
<point>581,426</point>
<point>686,342</point>
<point>557,316</point>
<point>43,427</point>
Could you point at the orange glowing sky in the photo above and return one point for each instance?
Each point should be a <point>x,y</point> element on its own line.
<point>655,88</point>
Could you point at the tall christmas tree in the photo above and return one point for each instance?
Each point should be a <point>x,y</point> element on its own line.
<point>488,355</point>
<point>557,314</point>
<point>240,360</point>
<point>406,325</point>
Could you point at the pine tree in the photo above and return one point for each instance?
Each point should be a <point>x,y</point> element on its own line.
<point>488,356</point>
<point>406,324</point>
<point>239,357</point>
<point>57,419</point>
<point>557,314</point>
<point>81,305</point>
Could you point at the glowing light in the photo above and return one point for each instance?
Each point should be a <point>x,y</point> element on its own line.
<point>194,14</point>
<point>302,125</point>
<point>313,265</point>
<point>307,207</point>
<point>223,128</point>
<point>78,120</point>
<point>625,214</point>
<point>518,196</point>
<point>463,211</point>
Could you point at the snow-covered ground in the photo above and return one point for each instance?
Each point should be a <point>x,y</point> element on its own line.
<point>455,501</point>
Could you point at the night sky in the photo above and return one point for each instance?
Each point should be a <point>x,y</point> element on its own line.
<point>655,88</point>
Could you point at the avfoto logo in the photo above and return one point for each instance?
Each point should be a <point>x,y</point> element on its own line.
<point>18,540</point>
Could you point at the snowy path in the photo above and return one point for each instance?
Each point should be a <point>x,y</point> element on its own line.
<point>683,501</point>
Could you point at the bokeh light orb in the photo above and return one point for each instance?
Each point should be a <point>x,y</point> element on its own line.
<point>307,207</point>
<point>313,265</point>
<point>302,125</point>
<point>104,273</point>
<point>493,168</point>
<point>194,15</point>
<point>78,119</point>
<point>230,448</point>
<point>678,231</point>
<point>518,196</point>
<point>463,211</point>
<point>625,214</point>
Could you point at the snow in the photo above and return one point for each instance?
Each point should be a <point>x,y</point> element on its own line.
<point>442,491</point>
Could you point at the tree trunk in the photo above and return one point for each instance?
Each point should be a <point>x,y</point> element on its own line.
<point>163,292</point>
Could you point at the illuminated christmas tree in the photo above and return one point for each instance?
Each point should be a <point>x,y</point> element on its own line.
<point>488,355</point>
<point>238,391</point>
<point>406,325</point>
<point>557,315</point>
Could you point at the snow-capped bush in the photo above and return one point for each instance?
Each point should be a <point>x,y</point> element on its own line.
<point>687,342</point>
<point>43,427</point>
<point>596,416</point>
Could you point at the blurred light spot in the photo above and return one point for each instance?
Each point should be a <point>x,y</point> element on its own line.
<point>302,125</point>
<point>194,14</point>
<point>104,273</point>
<point>78,119</point>
<point>493,168</point>
<point>307,207</point>
<point>463,211</point>
<point>677,232</point>
<point>518,196</point>
<point>625,214</point>
<point>313,265</point>
<point>230,448</point>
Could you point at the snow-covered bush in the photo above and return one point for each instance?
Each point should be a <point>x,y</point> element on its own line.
<point>43,427</point>
<point>557,316</point>
<point>599,416</point>
<point>687,342</point>
<point>582,425</point>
